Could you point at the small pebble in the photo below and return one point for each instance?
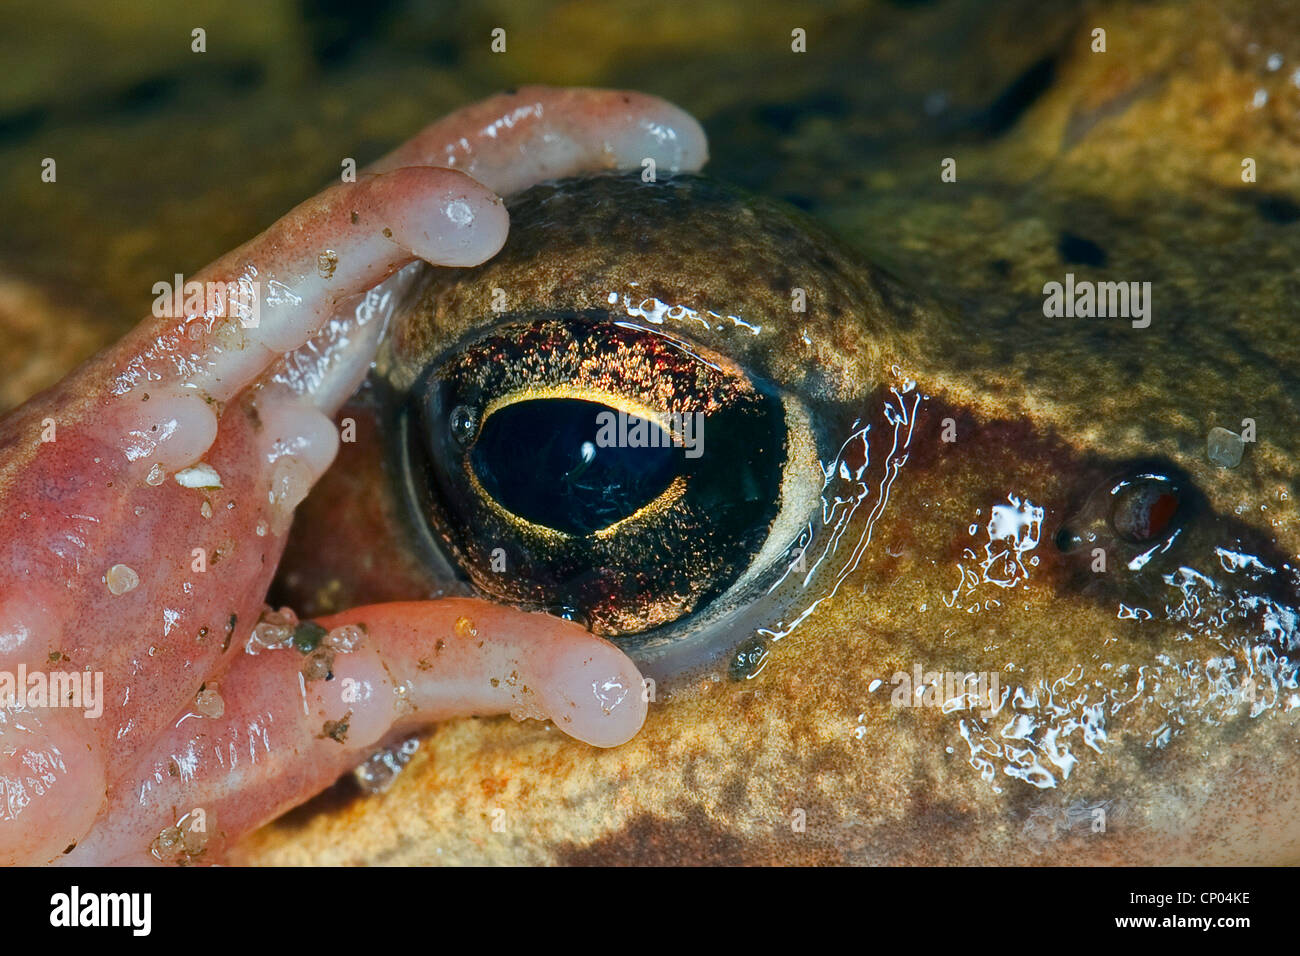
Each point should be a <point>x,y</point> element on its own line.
<point>209,703</point>
<point>318,664</point>
<point>326,263</point>
<point>122,579</point>
<point>201,475</point>
<point>1224,448</point>
<point>308,635</point>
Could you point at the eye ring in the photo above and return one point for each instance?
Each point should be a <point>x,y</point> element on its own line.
<point>641,553</point>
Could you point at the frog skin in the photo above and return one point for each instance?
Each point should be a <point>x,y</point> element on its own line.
<point>802,762</point>
<point>1144,713</point>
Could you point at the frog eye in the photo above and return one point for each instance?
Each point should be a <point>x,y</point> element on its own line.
<point>1146,508</point>
<point>595,467</point>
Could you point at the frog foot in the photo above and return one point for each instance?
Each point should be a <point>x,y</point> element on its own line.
<point>145,500</point>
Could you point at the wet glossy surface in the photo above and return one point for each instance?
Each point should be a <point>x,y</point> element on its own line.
<point>1055,642</point>
<point>1130,695</point>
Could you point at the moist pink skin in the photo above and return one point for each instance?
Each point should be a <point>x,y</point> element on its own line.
<point>255,405</point>
<point>273,745</point>
<point>514,140</point>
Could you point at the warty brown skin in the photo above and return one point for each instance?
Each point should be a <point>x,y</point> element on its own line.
<point>805,762</point>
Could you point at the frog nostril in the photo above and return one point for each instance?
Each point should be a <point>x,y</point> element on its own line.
<point>1067,539</point>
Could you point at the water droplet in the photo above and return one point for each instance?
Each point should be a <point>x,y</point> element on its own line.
<point>460,213</point>
<point>274,629</point>
<point>345,638</point>
<point>378,772</point>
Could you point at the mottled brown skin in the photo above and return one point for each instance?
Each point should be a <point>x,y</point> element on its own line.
<point>1138,150</point>
<point>722,769</point>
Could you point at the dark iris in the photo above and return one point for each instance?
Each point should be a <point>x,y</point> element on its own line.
<point>1144,509</point>
<point>551,462</point>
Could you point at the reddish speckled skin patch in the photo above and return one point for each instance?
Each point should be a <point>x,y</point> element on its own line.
<point>350,544</point>
<point>66,527</point>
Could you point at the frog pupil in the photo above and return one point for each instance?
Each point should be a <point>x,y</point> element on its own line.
<point>546,461</point>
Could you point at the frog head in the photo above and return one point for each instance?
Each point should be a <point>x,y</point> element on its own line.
<point>998,599</point>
